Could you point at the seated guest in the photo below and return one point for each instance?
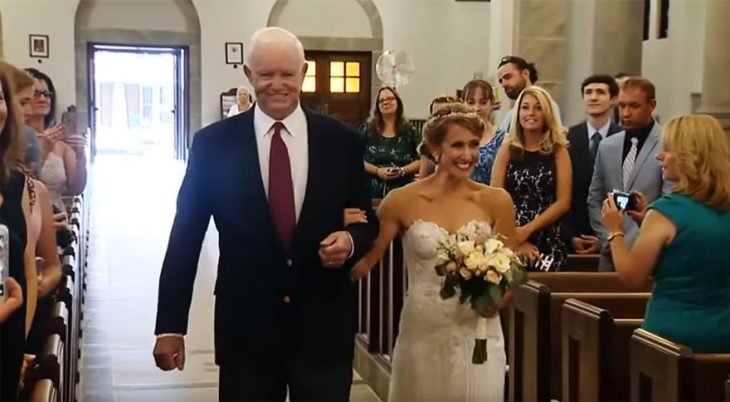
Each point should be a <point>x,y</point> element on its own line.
<point>533,165</point>
<point>625,161</point>
<point>391,142</point>
<point>243,102</point>
<point>599,97</point>
<point>684,237</point>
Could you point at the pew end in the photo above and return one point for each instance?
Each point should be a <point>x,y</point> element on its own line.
<point>664,370</point>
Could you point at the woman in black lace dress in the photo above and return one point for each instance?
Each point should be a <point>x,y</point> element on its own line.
<point>533,165</point>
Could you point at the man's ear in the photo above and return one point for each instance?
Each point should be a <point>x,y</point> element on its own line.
<point>652,103</point>
<point>247,72</point>
<point>526,75</point>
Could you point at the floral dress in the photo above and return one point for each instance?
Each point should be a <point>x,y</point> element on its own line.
<point>531,181</point>
<point>389,152</point>
<point>487,153</point>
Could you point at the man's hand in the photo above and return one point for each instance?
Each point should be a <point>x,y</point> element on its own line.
<point>334,249</point>
<point>585,244</point>
<point>14,300</point>
<point>170,353</point>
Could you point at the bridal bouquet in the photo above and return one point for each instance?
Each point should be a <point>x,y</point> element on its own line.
<point>476,262</point>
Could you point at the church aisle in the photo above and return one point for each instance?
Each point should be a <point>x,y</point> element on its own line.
<point>132,206</point>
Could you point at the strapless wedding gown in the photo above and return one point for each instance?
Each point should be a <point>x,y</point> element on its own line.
<point>433,351</point>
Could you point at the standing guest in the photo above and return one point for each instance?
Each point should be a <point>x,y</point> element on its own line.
<point>391,143</point>
<point>600,94</point>
<point>625,161</point>
<point>533,165</point>
<point>243,102</point>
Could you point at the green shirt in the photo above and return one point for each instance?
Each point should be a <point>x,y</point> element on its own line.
<point>396,151</point>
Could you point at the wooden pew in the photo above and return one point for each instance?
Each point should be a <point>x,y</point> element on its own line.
<point>662,370</point>
<point>535,326</point>
<point>583,263</point>
<point>43,391</point>
<point>50,362</point>
<point>595,351</point>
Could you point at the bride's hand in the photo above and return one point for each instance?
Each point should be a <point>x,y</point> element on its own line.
<point>360,270</point>
<point>492,310</point>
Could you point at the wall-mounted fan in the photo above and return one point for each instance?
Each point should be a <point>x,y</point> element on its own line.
<point>394,68</point>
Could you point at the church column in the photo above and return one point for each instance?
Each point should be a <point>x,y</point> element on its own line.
<point>715,78</point>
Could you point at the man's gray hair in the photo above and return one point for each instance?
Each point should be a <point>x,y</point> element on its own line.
<point>272,35</point>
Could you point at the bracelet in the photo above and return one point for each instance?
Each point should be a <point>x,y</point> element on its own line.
<point>613,235</point>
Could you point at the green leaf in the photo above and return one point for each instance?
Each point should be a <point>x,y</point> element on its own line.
<point>495,294</point>
<point>447,292</point>
<point>481,304</point>
<point>441,270</point>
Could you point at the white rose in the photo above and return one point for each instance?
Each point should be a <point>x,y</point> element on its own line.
<point>493,277</point>
<point>465,247</point>
<point>500,262</point>
<point>491,245</point>
<point>475,261</point>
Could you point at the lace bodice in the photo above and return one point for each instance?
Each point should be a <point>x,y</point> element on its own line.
<point>432,356</point>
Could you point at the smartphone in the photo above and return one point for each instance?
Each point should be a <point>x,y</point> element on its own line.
<point>624,201</point>
<point>4,260</point>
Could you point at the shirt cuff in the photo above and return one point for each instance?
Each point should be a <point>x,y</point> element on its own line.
<point>170,335</point>
<point>352,242</point>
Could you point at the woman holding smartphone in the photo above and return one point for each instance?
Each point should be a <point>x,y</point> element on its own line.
<point>391,142</point>
<point>683,238</point>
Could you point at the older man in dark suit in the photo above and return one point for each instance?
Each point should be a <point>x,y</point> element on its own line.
<point>600,93</point>
<point>276,179</point>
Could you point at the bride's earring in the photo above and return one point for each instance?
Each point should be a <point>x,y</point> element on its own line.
<point>437,158</point>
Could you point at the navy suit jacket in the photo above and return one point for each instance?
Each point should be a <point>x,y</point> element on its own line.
<point>576,221</point>
<point>269,302</point>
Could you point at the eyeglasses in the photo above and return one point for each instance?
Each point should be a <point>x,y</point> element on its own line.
<point>46,94</point>
<point>387,99</point>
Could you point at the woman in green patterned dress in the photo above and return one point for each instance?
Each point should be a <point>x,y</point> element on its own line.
<point>391,142</point>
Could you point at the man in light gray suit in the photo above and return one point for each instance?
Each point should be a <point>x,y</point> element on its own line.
<point>626,161</point>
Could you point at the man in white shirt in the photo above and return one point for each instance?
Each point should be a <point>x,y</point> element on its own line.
<point>515,74</point>
<point>276,180</point>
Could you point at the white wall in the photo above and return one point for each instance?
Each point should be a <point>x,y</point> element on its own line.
<point>158,15</point>
<point>326,18</point>
<point>448,40</point>
<point>675,64</point>
<point>46,17</point>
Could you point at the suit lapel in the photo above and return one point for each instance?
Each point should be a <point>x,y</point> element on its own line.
<point>647,149</point>
<point>616,163</point>
<point>613,129</point>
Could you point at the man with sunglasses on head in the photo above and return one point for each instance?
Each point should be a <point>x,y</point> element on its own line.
<point>515,74</point>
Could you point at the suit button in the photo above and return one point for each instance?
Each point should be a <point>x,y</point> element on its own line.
<point>289,263</point>
<point>287,299</point>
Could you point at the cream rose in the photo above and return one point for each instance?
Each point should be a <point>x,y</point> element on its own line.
<point>465,247</point>
<point>500,262</point>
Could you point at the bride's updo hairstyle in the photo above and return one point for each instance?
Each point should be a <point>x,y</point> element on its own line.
<point>435,129</point>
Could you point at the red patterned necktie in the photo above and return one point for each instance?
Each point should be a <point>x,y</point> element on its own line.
<point>281,189</point>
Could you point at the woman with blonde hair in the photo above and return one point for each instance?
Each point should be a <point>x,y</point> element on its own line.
<point>533,165</point>
<point>683,238</point>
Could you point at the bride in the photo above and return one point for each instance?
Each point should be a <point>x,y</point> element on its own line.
<point>432,356</point>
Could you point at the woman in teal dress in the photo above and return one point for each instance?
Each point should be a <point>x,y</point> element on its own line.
<point>684,237</point>
<point>391,142</point>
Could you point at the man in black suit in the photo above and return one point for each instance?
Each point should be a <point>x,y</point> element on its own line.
<point>276,179</point>
<point>600,93</point>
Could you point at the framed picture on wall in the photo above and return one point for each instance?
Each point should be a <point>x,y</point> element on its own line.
<point>234,53</point>
<point>38,45</point>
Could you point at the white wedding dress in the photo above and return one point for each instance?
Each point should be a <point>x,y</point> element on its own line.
<point>433,351</point>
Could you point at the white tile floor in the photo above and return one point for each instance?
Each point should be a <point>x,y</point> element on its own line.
<point>132,207</point>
